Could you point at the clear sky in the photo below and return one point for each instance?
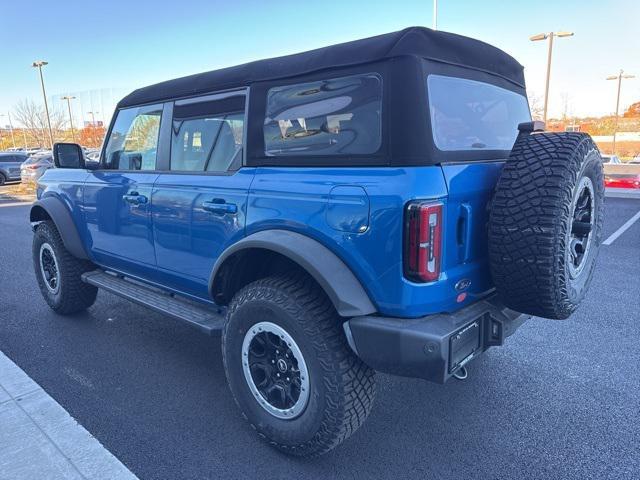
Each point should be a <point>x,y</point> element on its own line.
<point>122,45</point>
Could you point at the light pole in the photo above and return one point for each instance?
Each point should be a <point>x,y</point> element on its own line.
<point>13,138</point>
<point>544,36</point>
<point>435,14</point>
<point>39,64</point>
<point>68,98</point>
<point>93,118</point>
<point>93,125</point>
<point>619,78</point>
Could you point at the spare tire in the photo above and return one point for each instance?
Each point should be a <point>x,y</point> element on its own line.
<point>545,224</point>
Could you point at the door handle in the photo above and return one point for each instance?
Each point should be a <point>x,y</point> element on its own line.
<point>464,232</point>
<point>134,198</point>
<point>219,205</point>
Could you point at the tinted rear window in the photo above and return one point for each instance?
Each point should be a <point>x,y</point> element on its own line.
<point>472,115</point>
<point>340,116</point>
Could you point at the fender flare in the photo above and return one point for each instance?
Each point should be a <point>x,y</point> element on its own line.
<point>339,283</point>
<point>61,217</point>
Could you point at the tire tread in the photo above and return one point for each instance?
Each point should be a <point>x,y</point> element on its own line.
<point>529,218</point>
<point>349,382</point>
<point>75,295</point>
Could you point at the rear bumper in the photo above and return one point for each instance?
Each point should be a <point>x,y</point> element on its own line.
<point>435,346</point>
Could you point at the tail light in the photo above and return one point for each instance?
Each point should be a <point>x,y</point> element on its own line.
<point>423,241</point>
<point>33,166</point>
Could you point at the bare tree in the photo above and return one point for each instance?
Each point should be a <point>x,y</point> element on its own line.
<point>536,106</point>
<point>33,118</point>
<point>567,107</point>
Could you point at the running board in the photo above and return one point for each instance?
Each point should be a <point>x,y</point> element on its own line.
<point>207,319</point>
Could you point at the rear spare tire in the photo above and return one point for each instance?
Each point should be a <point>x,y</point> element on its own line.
<point>545,223</point>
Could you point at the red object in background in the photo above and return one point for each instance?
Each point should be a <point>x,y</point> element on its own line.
<point>621,181</point>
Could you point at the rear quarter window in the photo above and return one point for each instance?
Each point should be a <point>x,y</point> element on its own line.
<point>472,115</point>
<point>340,116</point>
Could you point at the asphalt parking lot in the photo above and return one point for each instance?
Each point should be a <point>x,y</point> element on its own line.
<point>561,400</point>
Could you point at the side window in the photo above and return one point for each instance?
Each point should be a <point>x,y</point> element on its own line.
<point>207,133</point>
<point>133,142</point>
<point>340,116</point>
<point>472,115</point>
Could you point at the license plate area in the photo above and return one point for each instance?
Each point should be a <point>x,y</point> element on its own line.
<point>464,344</point>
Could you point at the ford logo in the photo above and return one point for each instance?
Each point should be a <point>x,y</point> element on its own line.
<point>463,284</point>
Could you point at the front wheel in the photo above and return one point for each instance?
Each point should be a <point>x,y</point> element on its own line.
<point>290,369</point>
<point>59,273</point>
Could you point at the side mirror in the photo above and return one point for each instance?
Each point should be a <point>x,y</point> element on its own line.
<point>68,155</point>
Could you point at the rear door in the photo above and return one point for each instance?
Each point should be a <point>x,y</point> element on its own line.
<point>474,123</point>
<point>117,196</point>
<point>199,203</point>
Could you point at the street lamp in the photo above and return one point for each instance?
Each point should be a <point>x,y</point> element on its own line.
<point>39,64</point>
<point>619,78</point>
<point>93,118</point>
<point>13,139</point>
<point>435,14</point>
<point>68,98</point>
<point>545,36</point>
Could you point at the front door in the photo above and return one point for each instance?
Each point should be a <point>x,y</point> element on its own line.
<point>117,196</point>
<point>199,205</point>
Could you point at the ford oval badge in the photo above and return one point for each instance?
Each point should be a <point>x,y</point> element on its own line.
<point>463,284</point>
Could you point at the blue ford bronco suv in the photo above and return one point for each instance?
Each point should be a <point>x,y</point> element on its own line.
<point>380,205</point>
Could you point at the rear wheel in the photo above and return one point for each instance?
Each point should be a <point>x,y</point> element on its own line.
<point>290,369</point>
<point>545,224</point>
<point>3,179</point>
<point>58,272</point>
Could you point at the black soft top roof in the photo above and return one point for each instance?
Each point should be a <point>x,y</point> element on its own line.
<point>413,41</point>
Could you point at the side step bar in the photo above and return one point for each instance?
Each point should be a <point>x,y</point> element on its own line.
<point>207,319</point>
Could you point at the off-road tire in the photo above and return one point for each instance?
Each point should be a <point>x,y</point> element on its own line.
<point>531,221</point>
<point>342,387</point>
<point>73,294</point>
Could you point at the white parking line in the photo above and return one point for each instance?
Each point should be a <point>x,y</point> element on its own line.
<point>622,229</point>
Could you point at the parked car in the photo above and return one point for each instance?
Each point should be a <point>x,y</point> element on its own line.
<point>34,167</point>
<point>385,204</point>
<point>611,159</point>
<point>92,155</point>
<point>10,166</point>
<point>623,181</point>
<point>40,152</point>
